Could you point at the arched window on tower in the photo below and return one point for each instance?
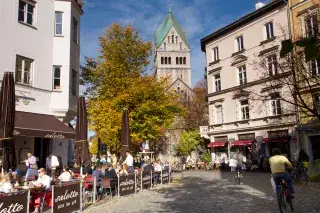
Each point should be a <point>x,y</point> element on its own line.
<point>168,39</point>
<point>180,45</point>
<point>176,39</point>
<point>184,60</point>
<point>180,60</point>
<point>172,39</point>
<point>177,60</point>
<point>169,58</point>
<point>164,45</point>
<point>166,60</point>
<point>161,60</point>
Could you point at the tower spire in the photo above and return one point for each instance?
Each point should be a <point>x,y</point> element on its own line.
<point>169,6</point>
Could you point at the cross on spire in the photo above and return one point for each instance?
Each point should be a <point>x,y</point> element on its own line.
<point>169,6</point>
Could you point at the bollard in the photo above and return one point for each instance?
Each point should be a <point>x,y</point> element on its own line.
<point>94,189</point>
<point>118,186</point>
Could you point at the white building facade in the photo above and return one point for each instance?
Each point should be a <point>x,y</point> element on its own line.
<point>236,121</point>
<point>41,45</point>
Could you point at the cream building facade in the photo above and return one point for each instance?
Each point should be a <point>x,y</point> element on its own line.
<point>236,120</point>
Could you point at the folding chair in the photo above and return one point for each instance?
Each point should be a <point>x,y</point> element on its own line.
<point>107,183</point>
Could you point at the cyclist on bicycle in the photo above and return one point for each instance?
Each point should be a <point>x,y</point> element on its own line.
<point>278,165</point>
<point>239,159</point>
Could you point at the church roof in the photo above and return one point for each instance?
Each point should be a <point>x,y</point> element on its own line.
<point>165,27</point>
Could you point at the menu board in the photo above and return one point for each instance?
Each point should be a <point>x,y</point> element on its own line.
<point>66,198</point>
<point>14,202</point>
<point>165,176</point>
<point>146,179</point>
<point>127,185</point>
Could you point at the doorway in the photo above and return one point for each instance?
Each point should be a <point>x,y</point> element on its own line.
<point>42,147</point>
<point>315,144</point>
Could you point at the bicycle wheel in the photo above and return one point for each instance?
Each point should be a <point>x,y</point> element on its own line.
<point>281,201</point>
<point>304,176</point>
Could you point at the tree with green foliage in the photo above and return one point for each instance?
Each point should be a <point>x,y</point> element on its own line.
<point>117,79</point>
<point>189,140</point>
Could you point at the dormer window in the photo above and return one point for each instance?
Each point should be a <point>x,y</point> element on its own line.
<point>176,39</point>
<point>172,39</point>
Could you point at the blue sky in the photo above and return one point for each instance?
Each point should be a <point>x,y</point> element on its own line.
<point>199,17</point>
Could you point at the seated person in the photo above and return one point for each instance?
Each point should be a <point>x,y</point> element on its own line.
<point>110,172</point>
<point>5,184</point>
<point>65,175</point>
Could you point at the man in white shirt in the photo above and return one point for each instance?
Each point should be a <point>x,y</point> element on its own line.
<point>52,163</point>
<point>129,160</point>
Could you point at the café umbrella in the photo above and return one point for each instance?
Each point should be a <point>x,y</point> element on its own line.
<point>125,132</point>
<point>82,155</point>
<point>7,116</point>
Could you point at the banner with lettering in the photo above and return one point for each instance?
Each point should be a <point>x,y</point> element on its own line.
<point>165,176</point>
<point>66,198</point>
<point>14,202</point>
<point>127,184</point>
<point>146,179</point>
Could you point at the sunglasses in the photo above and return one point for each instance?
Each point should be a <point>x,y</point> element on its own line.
<point>39,172</point>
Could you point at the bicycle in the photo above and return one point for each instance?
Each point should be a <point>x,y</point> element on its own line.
<point>238,175</point>
<point>283,197</point>
<point>300,174</point>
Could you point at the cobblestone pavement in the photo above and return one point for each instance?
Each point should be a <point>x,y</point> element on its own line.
<point>201,192</point>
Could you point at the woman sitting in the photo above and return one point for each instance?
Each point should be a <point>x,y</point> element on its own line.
<point>5,184</point>
<point>65,175</point>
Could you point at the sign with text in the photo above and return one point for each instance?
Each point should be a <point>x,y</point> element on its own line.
<point>127,184</point>
<point>146,179</point>
<point>14,202</point>
<point>165,176</point>
<point>66,198</point>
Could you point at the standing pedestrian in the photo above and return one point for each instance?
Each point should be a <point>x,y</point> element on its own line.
<point>32,168</point>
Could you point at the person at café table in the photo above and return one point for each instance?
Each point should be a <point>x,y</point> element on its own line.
<point>65,175</point>
<point>43,181</point>
<point>5,184</point>
<point>31,164</point>
<point>52,163</point>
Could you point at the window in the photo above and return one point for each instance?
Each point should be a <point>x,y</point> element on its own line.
<point>245,115</point>
<point>24,68</point>
<point>58,24</point>
<point>315,66</point>
<point>242,75</point>
<point>269,30</point>
<point>177,60</point>
<point>161,60</point>
<point>166,60</point>
<point>311,25</point>
<point>172,39</point>
<point>215,54</point>
<point>184,60</point>
<point>180,60</point>
<point>56,77</point>
<point>272,65</point>
<point>164,46</point>
<point>169,58</point>
<point>219,115</point>
<point>26,12</point>
<point>75,30</point>
<point>176,39</point>
<point>239,43</point>
<point>180,45</point>
<point>74,83</point>
<point>217,83</point>
<point>275,104</point>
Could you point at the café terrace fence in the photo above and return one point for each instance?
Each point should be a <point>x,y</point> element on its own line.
<point>68,197</point>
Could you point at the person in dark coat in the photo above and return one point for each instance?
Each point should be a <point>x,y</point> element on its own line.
<point>110,172</point>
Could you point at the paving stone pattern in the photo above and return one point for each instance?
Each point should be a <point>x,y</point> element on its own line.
<point>204,192</point>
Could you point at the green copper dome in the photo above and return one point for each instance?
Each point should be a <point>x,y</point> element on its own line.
<point>165,27</point>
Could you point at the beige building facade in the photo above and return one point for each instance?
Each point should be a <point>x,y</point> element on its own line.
<point>236,119</point>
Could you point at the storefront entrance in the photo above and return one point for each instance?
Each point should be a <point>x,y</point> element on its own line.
<point>315,143</point>
<point>42,146</point>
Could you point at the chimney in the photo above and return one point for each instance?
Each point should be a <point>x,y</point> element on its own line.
<point>259,5</point>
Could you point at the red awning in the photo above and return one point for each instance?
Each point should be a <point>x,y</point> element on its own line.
<point>217,144</point>
<point>275,140</point>
<point>242,143</point>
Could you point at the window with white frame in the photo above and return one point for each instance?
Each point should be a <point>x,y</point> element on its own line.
<point>27,12</point>
<point>242,73</point>
<point>311,25</point>
<point>272,64</point>
<point>269,30</point>
<point>74,83</point>
<point>24,68</point>
<point>56,77</point>
<point>315,66</point>
<point>215,52</point>
<point>58,23</point>
<point>239,43</point>
<point>275,105</point>
<point>244,109</point>
<point>217,83</point>
<point>219,114</point>
<point>75,29</point>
